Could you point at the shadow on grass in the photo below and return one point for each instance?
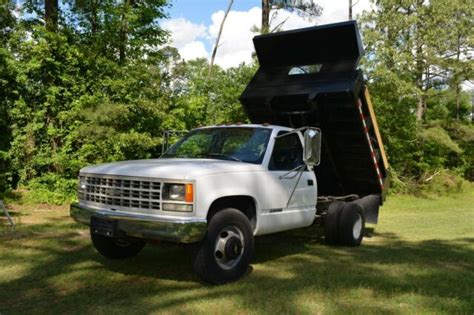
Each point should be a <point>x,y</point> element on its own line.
<point>11,213</point>
<point>64,273</point>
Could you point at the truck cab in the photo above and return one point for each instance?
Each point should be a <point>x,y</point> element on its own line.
<point>312,155</point>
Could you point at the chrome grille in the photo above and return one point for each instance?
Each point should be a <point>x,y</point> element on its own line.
<point>121,192</point>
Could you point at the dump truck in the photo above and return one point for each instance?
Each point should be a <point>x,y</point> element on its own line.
<point>312,154</point>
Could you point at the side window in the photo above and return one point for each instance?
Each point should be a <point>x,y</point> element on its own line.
<point>287,153</point>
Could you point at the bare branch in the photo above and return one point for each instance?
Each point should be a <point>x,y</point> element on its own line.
<point>276,28</point>
<point>214,51</point>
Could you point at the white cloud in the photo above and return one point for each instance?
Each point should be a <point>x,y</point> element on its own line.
<point>236,44</point>
<point>193,50</point>
<point>184,35</point>
<point>183,31</point>
<point>338,10</point>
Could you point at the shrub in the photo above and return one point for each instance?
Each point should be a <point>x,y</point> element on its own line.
<point>50,189</point>
<point>442,183</point>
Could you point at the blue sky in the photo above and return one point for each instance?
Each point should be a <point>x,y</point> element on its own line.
<point>200,11</point>
<point>194,26</point>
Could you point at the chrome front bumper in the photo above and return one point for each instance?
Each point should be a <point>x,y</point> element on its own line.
<point>175,229</point>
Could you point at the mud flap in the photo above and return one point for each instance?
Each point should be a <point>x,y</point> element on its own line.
<point>371,204</point>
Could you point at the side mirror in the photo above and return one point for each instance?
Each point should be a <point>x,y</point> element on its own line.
<point>312,146</point>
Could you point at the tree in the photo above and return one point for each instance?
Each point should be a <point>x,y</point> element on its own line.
<point>7,86</point>
<point>83,93</point>
<point>305,8</point>
<point>350,9</point>
<point>120,29</point>
<point>44,12</point>
<point>200,100</point>
<point>351,6</point>
<point>266,6</point>
<point>51,13</point>
<point>216,45</point>
<point>458,48</point>
<point>411,42</point>
<point>416,51</point>
<point>7,20</point>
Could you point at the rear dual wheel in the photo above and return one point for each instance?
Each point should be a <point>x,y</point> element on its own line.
<point>344,224</point>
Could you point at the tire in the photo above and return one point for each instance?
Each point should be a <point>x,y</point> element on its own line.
<point>351,225</point>
<point>331,222</point>
<point>117,248</point>
<point>225,252</point>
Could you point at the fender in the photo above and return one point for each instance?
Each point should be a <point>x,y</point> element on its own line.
<point>216,186</point>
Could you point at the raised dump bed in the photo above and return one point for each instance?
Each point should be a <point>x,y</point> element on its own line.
<point>310,77</point>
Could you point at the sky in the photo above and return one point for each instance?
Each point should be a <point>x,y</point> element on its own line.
<point>194,25</point>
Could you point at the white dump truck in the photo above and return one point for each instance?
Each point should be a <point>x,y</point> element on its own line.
<point>313,154</point>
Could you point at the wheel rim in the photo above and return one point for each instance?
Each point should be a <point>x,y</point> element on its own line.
<point>229,247</point>
<point>357,228</point>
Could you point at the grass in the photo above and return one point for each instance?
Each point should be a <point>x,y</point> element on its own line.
<point>419,260</point>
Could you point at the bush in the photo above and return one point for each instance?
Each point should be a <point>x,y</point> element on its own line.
<point>400,184</point>
<point>430,184</point>
<point>50,189</point>
<point>442,183</point>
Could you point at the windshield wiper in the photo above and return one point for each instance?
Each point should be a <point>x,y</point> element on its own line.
<point>225,156</point>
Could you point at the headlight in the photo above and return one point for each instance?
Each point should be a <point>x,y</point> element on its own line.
<point>178,192</point>
<point>174,192</point>
<point>82,183</point>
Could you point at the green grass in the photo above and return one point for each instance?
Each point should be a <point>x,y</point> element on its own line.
<point>419,260</point>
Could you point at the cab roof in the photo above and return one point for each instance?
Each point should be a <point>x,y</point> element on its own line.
<point>267,126</point>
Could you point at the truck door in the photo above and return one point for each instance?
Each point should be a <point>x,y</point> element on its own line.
<point>280,215</point>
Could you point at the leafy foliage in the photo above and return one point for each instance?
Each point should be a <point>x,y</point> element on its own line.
<point>102,85</point>
<point>417,58</point>
<point>99,87</point>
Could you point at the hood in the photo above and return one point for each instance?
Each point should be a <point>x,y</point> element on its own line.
<point>171,168</point>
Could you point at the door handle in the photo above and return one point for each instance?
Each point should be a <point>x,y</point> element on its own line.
<point>310,182</point>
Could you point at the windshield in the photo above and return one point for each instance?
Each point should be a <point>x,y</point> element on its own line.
<point>233,144</point>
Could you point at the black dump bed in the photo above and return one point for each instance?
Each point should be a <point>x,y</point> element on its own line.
<point>309,77</point>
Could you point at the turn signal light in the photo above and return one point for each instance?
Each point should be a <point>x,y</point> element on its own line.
<point>189,193</point>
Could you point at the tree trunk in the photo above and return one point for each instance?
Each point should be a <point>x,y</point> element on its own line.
<point>420,107</point>
<point>421,104</point>
<point>216,45</point>
<point>93,17</point>
<point>419,66</point>
<point>458,100</point>
<point>457,79</point>
<point>265,16</point>
<point>123,32</point>
<point>51,15</point>
<point>350,10</point>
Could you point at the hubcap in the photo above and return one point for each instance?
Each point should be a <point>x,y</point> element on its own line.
<point>357,228</point>
<point>229,247</point>
<point>233,247</point>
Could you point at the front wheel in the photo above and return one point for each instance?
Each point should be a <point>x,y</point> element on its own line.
<point>225,253</point>
<point>117,248</point>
